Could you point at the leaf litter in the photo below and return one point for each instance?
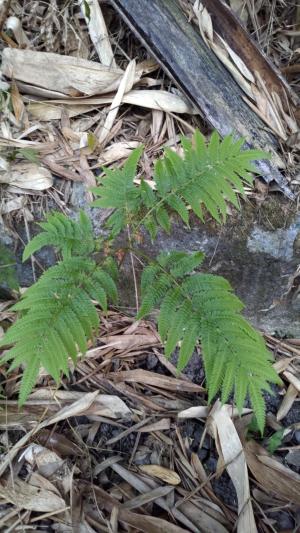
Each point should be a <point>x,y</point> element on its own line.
<point>127,443</point>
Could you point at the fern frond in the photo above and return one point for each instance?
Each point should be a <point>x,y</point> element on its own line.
<point>68,236</point>
<point>118,191</point>
<point>208,176</point>
<point>202,307</point>
<point>58,319</point>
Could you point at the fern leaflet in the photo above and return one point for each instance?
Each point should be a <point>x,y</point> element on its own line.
<point>68,236</point>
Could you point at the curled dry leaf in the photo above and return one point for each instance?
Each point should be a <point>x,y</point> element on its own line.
<point>165,474</point>
<point>117,151</point>
<point>26,496</point>
<point>14,204</point>
<point>76,408</point>
<point>46,461</point>
<point>28,176</point>
<point>287,402</point>
<point>274,477</point>
<point>15,26</point>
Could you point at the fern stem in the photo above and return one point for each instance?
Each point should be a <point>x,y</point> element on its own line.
<point>32,257</point>
<point>133,269</point>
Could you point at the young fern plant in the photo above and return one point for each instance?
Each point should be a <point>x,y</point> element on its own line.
<point>58,315</point>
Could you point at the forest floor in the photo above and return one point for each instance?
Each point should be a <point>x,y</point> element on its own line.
<point>127,443</point>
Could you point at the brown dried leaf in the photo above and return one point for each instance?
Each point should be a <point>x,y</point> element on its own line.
<point>123,342</point>
<point>291,378</point>
<point>28,176</point>
<point>67,75</point>
<point>98,32</point>
<point>161,100</point>
<point>125,86</point>
<point>165,474</point>
<point>273,477</point>
<point>287,402</point>
<point>26,496</point>
<point>150,378</point>
<point>231,452</point>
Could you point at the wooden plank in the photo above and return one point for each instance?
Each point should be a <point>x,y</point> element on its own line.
<point>163,28</point>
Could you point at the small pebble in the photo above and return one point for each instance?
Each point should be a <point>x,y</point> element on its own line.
<point>297,436</point>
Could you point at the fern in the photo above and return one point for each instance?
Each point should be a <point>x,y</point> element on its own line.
<point>208,176</point>
<point>68,236</point>
<point>119,192</point>
<point>201,307</point>
<point>58,314</point>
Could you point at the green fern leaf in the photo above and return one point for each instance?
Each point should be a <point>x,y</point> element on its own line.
<point>177,327</point>
<point>171,302</point>
<point>258,404</point>
<point>58,318</point>
<point>118,191</point>
<point>188,344</point>
<point>163,219</point>
<point>204,178</point>
<point>28,380</point>
<point>66,235</point>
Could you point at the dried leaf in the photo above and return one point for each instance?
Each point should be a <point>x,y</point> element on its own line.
<point>287,402</point>
<point>69,76</point>
<point>231,451</point>
<point>47,461</point>
<point>165,474</point>
<point>161,100</point>
<point>124,87</point>
<point>26,496</point>
<point>103,404</point>
<point>150,378</point>
<point>28,176</point>
<point>123,342</point>
<point>162,425</point>
<point>98,31</point>
<point>116,152</point>
<point>292,379</point>
<point>78,407</point>
<point>272,475</point>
